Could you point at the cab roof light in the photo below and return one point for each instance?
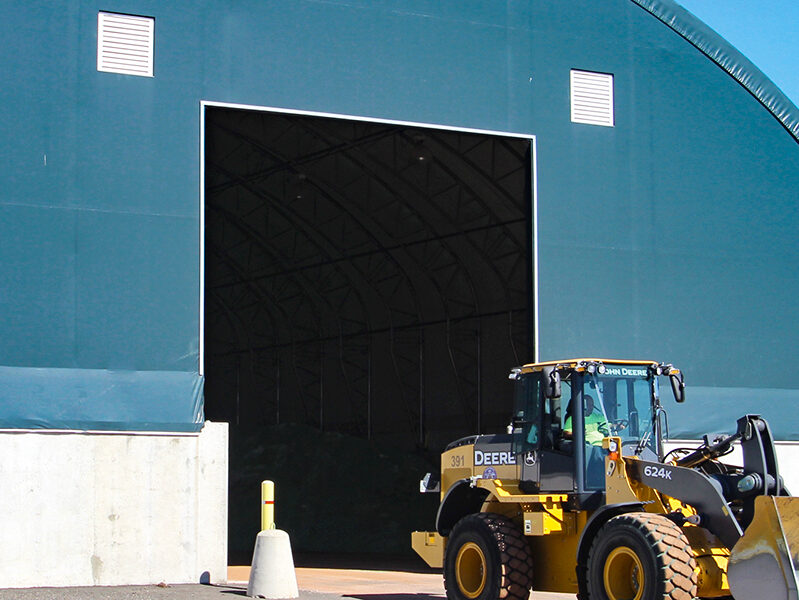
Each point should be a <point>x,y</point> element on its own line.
<point>591,366</point>
<point>656,369</point>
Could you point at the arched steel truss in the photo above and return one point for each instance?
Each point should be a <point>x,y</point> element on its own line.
<point>345,260</point>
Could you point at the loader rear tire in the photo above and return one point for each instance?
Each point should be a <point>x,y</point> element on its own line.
<point>641,556</point>
<point>487,558</point>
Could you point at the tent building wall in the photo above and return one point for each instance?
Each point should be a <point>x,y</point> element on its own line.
<point>350,219</point>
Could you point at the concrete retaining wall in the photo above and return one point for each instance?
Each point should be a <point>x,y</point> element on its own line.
<point>113,508</point>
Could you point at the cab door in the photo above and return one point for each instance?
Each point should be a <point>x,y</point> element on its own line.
<point>544,458</point>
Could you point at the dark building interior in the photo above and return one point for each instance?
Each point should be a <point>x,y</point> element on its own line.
<point>365,284</point>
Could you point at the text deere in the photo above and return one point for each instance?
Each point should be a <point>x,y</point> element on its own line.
<point>493,458</point>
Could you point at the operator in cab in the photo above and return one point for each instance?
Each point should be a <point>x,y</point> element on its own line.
<point>596,424</point>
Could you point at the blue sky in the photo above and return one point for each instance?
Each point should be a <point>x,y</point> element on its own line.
<point>766,31</point>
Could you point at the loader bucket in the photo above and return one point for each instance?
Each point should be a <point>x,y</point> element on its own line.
<point>765,561</point>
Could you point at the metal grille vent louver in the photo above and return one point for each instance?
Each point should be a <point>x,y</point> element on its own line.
<point>592,98</point>
<point>125,44</point>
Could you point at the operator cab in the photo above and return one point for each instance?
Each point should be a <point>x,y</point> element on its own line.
<point>564,410</point>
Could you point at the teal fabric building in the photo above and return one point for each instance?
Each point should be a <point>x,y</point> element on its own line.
<point>359,215</point>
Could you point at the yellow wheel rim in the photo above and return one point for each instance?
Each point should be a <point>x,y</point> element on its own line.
<point>624,575</point>
<point>470,570</point>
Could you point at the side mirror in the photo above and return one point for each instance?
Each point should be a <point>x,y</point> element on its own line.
<point>677,386</point>
<point>551,381</point>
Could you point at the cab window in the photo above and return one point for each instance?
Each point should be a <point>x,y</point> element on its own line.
<point>527,413</point>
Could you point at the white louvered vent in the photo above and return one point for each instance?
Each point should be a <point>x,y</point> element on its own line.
<point>125,44</point>
<point>592,98</point>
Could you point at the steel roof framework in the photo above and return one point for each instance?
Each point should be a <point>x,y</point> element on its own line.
<point>334,237</point>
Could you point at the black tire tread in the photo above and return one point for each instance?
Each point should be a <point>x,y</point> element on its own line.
<point>515,564</point>
<point>675,561</point>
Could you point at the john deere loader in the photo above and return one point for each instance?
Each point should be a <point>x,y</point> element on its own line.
<point>579,497</point>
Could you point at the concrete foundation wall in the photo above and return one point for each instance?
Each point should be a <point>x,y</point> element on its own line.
<point>110,509</point>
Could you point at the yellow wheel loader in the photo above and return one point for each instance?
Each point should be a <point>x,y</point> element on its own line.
<point>579,497</point>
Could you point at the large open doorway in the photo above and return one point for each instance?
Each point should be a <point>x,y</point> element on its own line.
<point>368,285</point>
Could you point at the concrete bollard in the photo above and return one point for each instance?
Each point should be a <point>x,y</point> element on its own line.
<point>272,574</point>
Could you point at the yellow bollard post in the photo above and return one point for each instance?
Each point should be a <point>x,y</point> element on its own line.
<point>267,505</point>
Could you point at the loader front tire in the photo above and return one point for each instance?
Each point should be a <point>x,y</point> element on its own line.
<point>487,558</point>
<point>641,556</point>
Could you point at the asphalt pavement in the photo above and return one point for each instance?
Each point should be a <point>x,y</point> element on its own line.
<point>150,592</point>
<point>314,584</point>
<point>212,592</point>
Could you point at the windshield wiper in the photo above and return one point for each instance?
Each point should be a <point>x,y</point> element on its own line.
<point>644,441</point>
